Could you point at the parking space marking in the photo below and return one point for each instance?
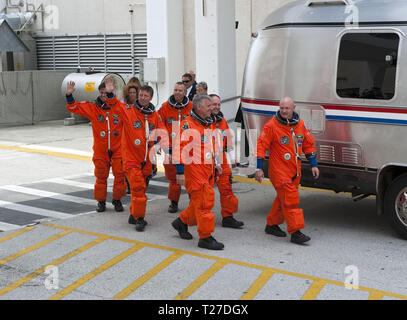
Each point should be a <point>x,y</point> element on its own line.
<point>16,234</point>
<point>147,276</point>
<point>311,293</point>
<point>59,295</point>
<point>34,247</point>
<point>200,281</point>
<point>314,290</point>
<point>257,285</point>
<point>376,292</point>
<point>56,262</point>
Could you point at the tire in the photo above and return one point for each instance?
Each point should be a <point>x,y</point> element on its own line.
<point>395,205</point>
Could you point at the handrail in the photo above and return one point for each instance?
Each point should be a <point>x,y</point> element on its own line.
<point>230,99</point>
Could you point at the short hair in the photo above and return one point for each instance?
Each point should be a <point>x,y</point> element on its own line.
<point>148,89</point>
<point>198,98</point>
<point>214,95</point>
<point>187,75</point>
<point>203,84</point>
<point>180,83</point>
<point>102,86</point>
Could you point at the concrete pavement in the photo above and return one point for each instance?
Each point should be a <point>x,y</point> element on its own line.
<point>93,255</point>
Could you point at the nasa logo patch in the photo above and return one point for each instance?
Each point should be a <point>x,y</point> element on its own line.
<point>137,124</point>
<point>285,140</point>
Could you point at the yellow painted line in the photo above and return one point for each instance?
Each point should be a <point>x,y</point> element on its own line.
<point>48,153</point>
<point>16,234</point>
<point>257,285</point>
<point>34,247</point>
<point>314,290</point>
<point>94,273</point>
<point>200,281</point>
<point>56,262</point>
<point>223,260</point>
<point>147,276</point>
<point>376,295</point>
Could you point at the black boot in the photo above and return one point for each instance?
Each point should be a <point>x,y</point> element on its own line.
<point>182,229</point>
<point>299,238</point>
<point>118,206</point>
<point>275,231</point>
<point>230,222</point>
<point>140,224</point>
<point>101,206</point>
<point>173,208</point>
<point>210,243</point>
<point>127,186</point>
<point>132,220</point>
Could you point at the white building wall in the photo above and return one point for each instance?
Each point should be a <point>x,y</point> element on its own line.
<point>91,16</point>
<point>105,16</point>
<point>249,13</point>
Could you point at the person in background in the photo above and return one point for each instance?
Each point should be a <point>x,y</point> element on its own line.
<point>188,82</point>
<point>202,88</point>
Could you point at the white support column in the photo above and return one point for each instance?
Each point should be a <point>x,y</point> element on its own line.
<point>165,39</point>
<point>216,49</point>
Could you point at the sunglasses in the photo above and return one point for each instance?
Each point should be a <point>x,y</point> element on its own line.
<point>185,81</point>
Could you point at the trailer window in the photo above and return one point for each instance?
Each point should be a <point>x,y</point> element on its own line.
<point>367,65</point>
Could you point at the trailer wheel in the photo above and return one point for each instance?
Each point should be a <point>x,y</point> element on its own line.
<point>395,204</point>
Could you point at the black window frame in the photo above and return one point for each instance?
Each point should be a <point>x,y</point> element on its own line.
<point>373,93</point>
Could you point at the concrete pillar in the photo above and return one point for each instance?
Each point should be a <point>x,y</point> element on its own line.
<point>165,39</point>
<point>216,49</point>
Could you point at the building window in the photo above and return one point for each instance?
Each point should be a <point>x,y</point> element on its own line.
<point>367,66</point>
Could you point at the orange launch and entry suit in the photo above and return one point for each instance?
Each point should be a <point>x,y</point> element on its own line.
<point>107,134</point>
<point>172,114</point>
<point>142,128</point>
<point>197,158</point>
<point>229,202</point>
<point>286,141</point>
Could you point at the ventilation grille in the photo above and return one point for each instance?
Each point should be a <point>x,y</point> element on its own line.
<point>104,52</point>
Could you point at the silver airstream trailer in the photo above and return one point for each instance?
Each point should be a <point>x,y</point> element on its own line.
<point>345,65</point>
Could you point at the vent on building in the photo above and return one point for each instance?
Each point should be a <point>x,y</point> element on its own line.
<point>103,52</point>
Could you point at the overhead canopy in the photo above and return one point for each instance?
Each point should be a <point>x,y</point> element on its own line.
<point>9,41</point>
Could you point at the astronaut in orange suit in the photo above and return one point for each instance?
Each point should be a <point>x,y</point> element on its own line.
<point>286,137</point>
<point>107,130</point>
<point>223,136</point>
<point>173,112</point>
<point>142,131</point>
<point>198,165</point>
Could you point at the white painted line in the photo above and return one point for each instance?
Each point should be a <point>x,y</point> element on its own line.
<point>152,197</point>
<point>8,227</point>
<point>71,183</point>
<point>57,149</point>
<point>33,210</point>
<point>162,184</point>
<point>47,194</point>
